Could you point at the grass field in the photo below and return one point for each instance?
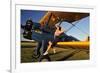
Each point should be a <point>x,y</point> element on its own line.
<point>63,53</point>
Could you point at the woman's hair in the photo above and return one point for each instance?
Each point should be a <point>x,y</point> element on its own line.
<point>59,27</point>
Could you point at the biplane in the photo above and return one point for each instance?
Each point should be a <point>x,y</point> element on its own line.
<point>47,23</point>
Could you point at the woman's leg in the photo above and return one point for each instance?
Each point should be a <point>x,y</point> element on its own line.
<point>38,47</point>
<point>43,50</point>
<point>48,48</point>
<point>44,46</point>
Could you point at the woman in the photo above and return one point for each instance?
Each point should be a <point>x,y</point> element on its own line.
<point>52,43</point>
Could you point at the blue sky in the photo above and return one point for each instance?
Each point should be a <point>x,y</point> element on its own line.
<point>80,30</point>
<point>34,15</point>
<point>82,24</point>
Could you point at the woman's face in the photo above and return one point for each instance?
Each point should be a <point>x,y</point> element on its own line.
<point>58,27</point>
